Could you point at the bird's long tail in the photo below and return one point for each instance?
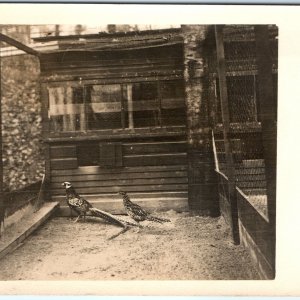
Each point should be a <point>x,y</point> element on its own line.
<point>157,219</point>
<point>111,218</point>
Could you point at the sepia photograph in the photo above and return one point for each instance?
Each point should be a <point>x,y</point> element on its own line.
<point>138,151</point>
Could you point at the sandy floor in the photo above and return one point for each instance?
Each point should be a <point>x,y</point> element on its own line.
<point>190,247</point>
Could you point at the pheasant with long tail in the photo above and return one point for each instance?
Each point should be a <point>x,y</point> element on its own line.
<point>82,207</point>
<point>137,213</point>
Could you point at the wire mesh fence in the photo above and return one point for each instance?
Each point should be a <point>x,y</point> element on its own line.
<point>245,133</point>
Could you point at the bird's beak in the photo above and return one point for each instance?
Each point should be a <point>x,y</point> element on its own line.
<point>63,184</point>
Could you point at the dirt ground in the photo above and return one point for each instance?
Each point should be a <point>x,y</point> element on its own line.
<point>188,248</point>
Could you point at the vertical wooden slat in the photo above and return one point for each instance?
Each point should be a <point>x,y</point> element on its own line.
<point>123,107</point>
<point>254,99</point>
<point>268,122</point>
<point>215,152</point>
<point>47,178</point>
<point>118,154</point>
<point>57,30</point>
<point>130,106</point>
<point>83,111</point>
<point>44,109</point>
<point>71,108</point>
<point>61,93</point>
<point>2,208</point>
<point>44,95</point>
<point>159,102</point>
<point>226,129</point>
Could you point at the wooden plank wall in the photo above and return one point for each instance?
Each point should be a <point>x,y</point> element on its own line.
<point>255,235</point>
<point>126,66</point>
<point>149,167</point>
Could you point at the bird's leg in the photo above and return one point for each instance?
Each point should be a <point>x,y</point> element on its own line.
<point>139,225</point>
<point>77,218</point>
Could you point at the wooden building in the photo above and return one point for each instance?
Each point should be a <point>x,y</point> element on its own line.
<point>134,111</point>
<point>114,117</point>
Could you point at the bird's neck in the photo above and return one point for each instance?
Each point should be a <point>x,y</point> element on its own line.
<point>70,192</point>
<point>126,199</point>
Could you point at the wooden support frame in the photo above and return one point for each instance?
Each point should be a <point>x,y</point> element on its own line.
<point>268,123</point>
<point>226,131</point>
<point>21,46</point>
<point>2,207</point>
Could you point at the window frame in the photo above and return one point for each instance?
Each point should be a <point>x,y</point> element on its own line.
<point>164,130</point>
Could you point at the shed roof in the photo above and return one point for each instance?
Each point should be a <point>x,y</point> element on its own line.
<point>115,41</point>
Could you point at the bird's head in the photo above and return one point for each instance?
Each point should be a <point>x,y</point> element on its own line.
<point>67,184</point>
<point>122,193</point>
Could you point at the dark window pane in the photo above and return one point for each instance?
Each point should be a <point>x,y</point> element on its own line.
<point>77,97</point>
<point>173,111</point>
<point>144,91</point>
<point>104,108</point>
<point>145,104</point>
<point>172,89</point>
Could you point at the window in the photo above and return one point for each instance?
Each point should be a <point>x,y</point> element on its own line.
<point>116,106</point>
<point>104,108</point>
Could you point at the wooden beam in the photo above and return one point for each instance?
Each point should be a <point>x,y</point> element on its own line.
<point>19,45</point>
<point>130,106</point>
<point>268,122</point>
<point>2,208</point>
<point>226,128</point>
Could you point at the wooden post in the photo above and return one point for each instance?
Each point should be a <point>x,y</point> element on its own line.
<point>18,45</point>
<point>159,104</point>
<point>268,123</point>
<point>2,207</point>
<point>44,94</point>
<point>130,106</point>
<point>226,128</point>
<point>123,119</point>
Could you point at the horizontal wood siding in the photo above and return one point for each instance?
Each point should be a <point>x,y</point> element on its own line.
<point>149,148</point>
<point>64,163</point>
<point>63,157</point>
<point>96,180</point>
<point>152,160</point>
<point>63,152</point>
<point>150,167</point>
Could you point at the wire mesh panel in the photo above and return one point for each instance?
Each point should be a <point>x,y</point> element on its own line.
<point>242,82</point>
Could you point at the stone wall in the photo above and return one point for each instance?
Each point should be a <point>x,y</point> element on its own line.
<point>194,76</point>
<point>23,161</point>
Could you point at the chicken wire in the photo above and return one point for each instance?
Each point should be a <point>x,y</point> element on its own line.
<point>244,111</point>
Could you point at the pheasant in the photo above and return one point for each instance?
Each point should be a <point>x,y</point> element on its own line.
<point>82,207</point>
<point>137,213</point>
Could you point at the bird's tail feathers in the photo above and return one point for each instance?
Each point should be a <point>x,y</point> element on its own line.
<point>157,219</point>
<point>111,218</point>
